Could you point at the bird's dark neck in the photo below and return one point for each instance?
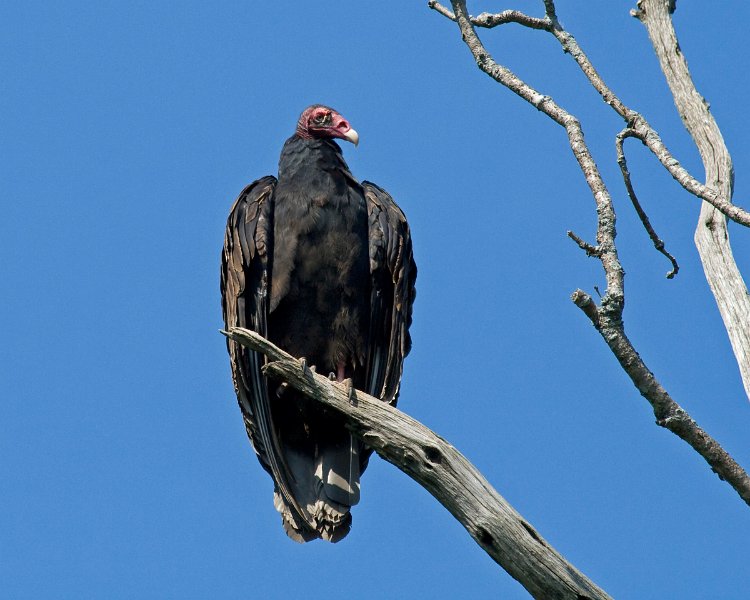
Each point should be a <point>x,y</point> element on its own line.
<point>301,156</point>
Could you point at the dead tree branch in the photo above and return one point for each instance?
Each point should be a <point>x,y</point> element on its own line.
<point>607,318</point>
<point>622,161</point>
<point>489,20</point>
<point>643,130</point>
<point>443,471</point>
<point>668,413</point>
<point>711,235</point>
<point>589,249</point>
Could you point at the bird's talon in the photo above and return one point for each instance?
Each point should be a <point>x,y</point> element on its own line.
<point>306,371</point>
<point>350,391</point>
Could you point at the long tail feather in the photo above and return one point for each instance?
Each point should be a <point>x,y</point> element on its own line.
<point>326,485</point>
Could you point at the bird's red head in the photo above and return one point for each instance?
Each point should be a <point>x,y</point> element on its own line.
<point>320,122</point>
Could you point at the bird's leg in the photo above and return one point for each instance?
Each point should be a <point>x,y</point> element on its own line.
<point>338,377</point>
<point>347,382</point>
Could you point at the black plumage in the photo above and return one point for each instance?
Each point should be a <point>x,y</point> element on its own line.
<point>322,266</point>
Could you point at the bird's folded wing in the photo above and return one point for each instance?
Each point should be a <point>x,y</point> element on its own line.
<point>244,287</point>
<point>393,274</point>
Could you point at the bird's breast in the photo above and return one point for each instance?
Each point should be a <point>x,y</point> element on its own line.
<point>320,283</point>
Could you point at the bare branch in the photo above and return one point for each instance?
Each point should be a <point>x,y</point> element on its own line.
<point>549,9</point>
<point>607,318</point>
<point>711,235</point>
<point>658,243</point>
<point>583,301</point>
<point>443,471</point>
<point>668,413</point>
<point>640,125</point>
<point>490,20</point>
<point>605,237</point>
<point>435,5</point>
<point>644,132</point>
<point>589,249</point>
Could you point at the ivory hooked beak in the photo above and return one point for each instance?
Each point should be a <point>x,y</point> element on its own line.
<point>352,136</point>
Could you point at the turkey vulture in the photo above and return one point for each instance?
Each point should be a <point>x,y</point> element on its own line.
<point>322,266</point>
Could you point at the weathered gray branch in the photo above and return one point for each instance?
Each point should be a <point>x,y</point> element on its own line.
<point>711,235</point>
<point>489,20</point>
<point>669,414</point>
<point>643,130</point>
<point>607,318</point>
<point>443,471</point>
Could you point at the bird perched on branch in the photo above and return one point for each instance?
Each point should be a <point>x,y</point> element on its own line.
<point>321,265</point>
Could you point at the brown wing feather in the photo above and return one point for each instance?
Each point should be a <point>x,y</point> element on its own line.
<point>244,294</point>
<point>393,274</point>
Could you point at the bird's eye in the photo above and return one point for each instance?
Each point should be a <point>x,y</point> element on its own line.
<point>323,119</point>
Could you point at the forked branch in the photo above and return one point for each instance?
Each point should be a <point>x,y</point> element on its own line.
<point>644,131</point>
<point>607,318</point>
<point>711,236</point>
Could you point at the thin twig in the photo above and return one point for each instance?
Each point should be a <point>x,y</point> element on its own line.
<point>657,241</point>
<point>490,20</point>
<point>436,6</point>
<point>589,249</point>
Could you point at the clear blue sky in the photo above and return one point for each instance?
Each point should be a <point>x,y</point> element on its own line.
<point>128,130</point>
